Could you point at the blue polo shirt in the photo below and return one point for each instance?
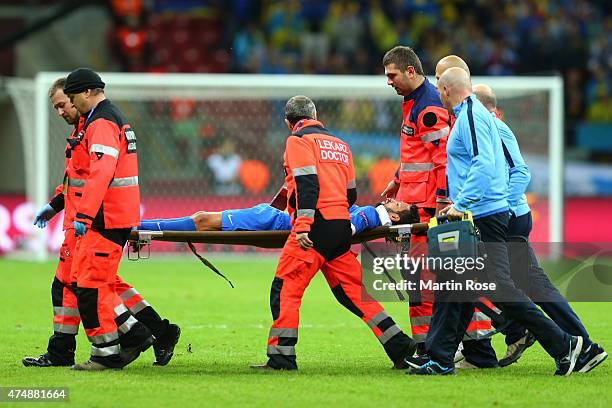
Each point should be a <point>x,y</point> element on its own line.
<point>476,170</point>
<point>518,172</point>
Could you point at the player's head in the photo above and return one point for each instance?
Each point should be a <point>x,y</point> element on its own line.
<point>61,103</point>
<point>454,86</point>
<point>403,69</point>
<point>298,108</point>
<point>450,61</point>
<point>84,88</point>
<point>485,95</point>
<point>401,213</point>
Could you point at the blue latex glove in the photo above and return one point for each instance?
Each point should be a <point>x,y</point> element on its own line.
<point>43,216</point>
<point>79,229</point>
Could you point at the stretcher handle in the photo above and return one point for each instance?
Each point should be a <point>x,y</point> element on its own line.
<point>441,219</point>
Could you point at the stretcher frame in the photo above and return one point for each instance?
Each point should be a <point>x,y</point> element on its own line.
<point>260,239</point>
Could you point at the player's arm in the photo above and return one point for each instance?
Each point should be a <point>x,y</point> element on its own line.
<point>104,153</point>
<point>393,187</point>
<point>478,144</point>
<point>280,199</point>
<point>368,217</point>
<point>434,128</point>
<point>519,172</point>
<point>302,164</point>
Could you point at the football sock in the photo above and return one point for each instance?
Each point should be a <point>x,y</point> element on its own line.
<point>168,224</point>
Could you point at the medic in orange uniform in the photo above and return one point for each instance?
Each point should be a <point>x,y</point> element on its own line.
<point>320,180</point>
<point>104,174</point>
<point>421,177</point>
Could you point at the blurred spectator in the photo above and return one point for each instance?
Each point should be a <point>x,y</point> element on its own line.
<point>356,115</point>
<point>248,49</point>
<point>254,176</point>
<point>601,109</point>
<point>129,38</point>
<point>381,28</point>
<point>380,173</point>
<point>345,29</point>
<point>225,165</point>
<point>127,8</point>
<point>185,129</point>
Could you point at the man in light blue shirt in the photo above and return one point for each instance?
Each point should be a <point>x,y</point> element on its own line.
<point>535,284</point>
<point>477,181</point>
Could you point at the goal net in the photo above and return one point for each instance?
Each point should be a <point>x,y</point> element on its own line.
<point>214,142</point>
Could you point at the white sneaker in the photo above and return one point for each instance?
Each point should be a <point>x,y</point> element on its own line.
<point>459,354</point>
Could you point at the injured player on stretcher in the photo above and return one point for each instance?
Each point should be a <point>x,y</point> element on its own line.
<point>264,217</point>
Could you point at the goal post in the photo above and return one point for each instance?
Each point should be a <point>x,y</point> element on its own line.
<point>246,109</point>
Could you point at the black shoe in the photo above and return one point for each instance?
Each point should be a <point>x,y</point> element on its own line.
<point>129,354</point>
<point>590,358</point>
<point>45,361</point>
<point>416,361</point>
<point>266,367</point>
<point>567,363</point>
<point>411,348</point>
<point>431,368</point>
<point>516,349</point>
<point>164,347</point>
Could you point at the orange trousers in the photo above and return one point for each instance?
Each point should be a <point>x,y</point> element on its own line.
<point>295,270</point>
<point>94,268</point>
<point>66,318</point>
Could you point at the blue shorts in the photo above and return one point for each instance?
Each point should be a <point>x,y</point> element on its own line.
<point>262,217</point>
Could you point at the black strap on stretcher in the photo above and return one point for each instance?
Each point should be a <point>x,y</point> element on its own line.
<point>208,263</point>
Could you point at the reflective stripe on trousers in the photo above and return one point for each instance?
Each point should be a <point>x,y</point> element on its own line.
<point>133,300</point>
<point>100,346</point>
<point>65,311</point>
<point>65,328</point>
<point>127,325</point>
<point>277,334</point>
<point>388,332</point>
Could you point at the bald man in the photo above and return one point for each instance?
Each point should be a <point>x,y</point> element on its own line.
<point>532,280</point>
<point>450,61</point>
<point>478,182</point>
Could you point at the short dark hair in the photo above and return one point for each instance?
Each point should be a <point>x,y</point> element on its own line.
<point>299,107</point>
<point>487,99</point>
<point>407,216</point>
<point>58,84</point>
<point>403,57</point>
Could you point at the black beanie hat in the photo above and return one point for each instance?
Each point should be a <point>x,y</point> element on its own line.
<point>82,79</point>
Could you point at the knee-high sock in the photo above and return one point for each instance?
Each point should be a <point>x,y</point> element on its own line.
<point>168,224</point>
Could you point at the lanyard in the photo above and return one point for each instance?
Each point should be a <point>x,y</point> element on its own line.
<point>91,112</point>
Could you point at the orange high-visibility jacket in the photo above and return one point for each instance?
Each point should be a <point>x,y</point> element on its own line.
<point>423,138</point>
<point>68,193</point>
<point>110,194</point>
<point>320,176</point>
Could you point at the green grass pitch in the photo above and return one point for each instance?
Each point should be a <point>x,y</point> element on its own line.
<point>224,329</point>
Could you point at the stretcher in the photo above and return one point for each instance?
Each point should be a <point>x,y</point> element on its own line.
<point>262,239</point>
